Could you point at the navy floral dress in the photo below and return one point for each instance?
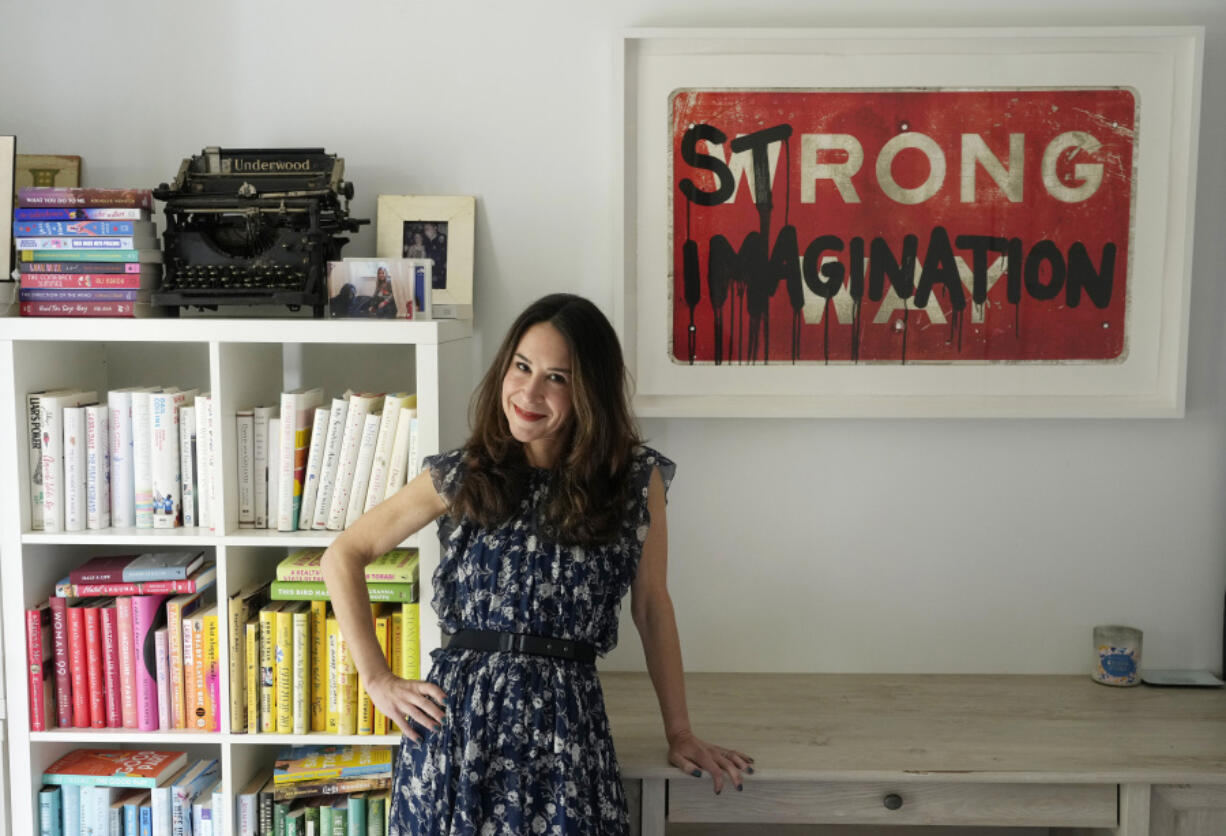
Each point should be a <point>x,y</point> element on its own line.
<point>524,746</point>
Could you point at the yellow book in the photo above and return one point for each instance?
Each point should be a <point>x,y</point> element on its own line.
<point>240,607</point>
<point>177,609</point>
<point>212,671</point>
<point>410,642</point>
<point>283,668</point>
<point>252,700</point>
<point>393,657</point>
<point>268,666</point>
<point>319,665</point>
<point>301,666</point>
<point>366,710</point>
<point>334,674</point>
<point>383,632</point>
<point>347,688</point>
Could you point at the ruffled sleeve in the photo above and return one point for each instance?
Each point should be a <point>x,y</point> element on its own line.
<point>647,460</point>
<point>446,471</point>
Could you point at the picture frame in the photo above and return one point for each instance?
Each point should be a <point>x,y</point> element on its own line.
<point>437,227</point>
<point>379,288</point>
<point>1146,375</point>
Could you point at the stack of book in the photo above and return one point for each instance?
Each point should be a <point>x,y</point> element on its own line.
<point>299,674</point>
<point>327,790</point>
<point>131,462</point>
<point>127,641</point>
<point>86,252</point>
<point>92,791</point>
<point>310,467</point>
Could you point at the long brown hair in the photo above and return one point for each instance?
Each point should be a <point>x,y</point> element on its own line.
<point>589,484</point>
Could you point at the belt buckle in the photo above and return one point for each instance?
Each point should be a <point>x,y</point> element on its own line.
<point>506,642</point>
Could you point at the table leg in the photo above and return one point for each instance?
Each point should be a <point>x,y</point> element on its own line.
<point>1134,810</point>
<point>653,810</point>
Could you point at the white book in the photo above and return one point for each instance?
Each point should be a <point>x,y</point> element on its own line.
<point>260,463</point>
<point>161,650</point>
<point>123,488</point>
<point>245,427</point>
<point>376,488</point>
<point>414,463</point>
<point>51,419</point>
<point>274,468</point>
<point>315,457</point>
<point>187,463</point>
<point>332,455</point>
<point>161,803</point>
<point>398,459</point>
<point>74,468</point>
<point>360,406</point>
<point>97,467</point>
<point>213,465</point>
<point>297,410</point>
<point>164,441</point>
<point>34,421</point>
<point>361,469</point>
<point>142,457</point>
<point>204,413</point>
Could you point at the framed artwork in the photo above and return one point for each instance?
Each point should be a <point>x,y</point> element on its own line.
<point>437,228</point>
<point>964,222</point>
<point>48,170</point>
<point>379,288</point>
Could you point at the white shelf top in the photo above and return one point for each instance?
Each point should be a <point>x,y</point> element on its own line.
<point>193,537</point>
<point>239,330</point>
<point>119,737</point>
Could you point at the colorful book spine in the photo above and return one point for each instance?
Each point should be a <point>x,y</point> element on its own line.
<point>347,688</point>
<point>161,650</point>
<point>110,664</point>
<point>283,673</point>
<point>74,469</point>
<point>245,428</point>
<point>127,662</point>
<point>132,266</point>
<point>178,609</point>
<point>410,641</point>
<point>40,666</point>
<point>361,468</point>
<point>49,228</point>
<point>77,666</point>
<point>332,719</point>
<point>164,436</point>
<point>66,282</point>
<point>251,632</point>
<point>187,464</point>
<point>142,457</point>
<point>268,667</point>
<point>301,670</point>
<point>94,665</point>
<point>297,412</point>
<point>259,462</point>
<point>315,455</point>
<point>80,196</point>
<point>310,591</point>
<point>35,294</point>
<point>93,256</point>
<point>198,582</point>
<point>78,243</point>
<point>97,213</point>
<point>116,310</point>
<point>50,813</point>
<point>63,676</point>
<point>383,633</point>
<point>97,468</point>
<point>212,671</point>
<point>337,417</point>
<point>319,665</point>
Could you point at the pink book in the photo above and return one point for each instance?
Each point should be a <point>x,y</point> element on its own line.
<point>127,663</point>
<point>59,649</point>
<point>76,666</point>
<point>147,616</point>
<point>110,665</point>
<point>38,648</point>
<point>93,665</point>
<point>162,651</point>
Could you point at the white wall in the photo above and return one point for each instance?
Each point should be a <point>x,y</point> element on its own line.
<point>832,545</point>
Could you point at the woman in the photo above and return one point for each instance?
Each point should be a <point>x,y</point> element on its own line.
<point>550,512</point>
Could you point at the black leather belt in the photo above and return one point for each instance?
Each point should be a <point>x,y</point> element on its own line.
<point>493,641</point>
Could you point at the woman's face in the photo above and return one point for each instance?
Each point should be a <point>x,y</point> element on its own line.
<point>536,393</point>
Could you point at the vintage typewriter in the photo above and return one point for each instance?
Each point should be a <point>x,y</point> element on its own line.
<point>254,227</point>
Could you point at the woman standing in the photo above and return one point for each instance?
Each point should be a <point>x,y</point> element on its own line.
<point>548,515</point>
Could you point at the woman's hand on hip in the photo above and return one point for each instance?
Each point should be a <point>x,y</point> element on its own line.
<point>402,700</point>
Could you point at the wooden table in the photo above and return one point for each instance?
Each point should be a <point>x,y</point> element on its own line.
<point>1041,751</point>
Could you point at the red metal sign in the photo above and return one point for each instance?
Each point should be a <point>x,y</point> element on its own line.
<point>901,226</point>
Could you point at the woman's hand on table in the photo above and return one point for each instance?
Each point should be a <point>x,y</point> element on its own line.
<point>695,756</point>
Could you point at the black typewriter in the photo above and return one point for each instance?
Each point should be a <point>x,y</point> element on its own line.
<point>254,226</point>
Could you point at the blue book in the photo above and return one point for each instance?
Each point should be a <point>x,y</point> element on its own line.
<point>187,789</point>
<point>70,801</point>
<point>83,227</point>
<point>50,816</point>
<point>162,566</point>
<point>146,819</point>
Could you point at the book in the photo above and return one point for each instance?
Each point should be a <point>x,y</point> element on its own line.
<point>360,405</point>
<point>361,468</point>
<point>97,213</point>
<point>259,462</point>
<point>30,228</point>
<point>200,631</point>
<point>76,196</point>
<point>119,310</point>
<point>160,802</point>
<point>51,414</point>
<point>410,641</point>
<point>331,457</point>
<point>307,591</point>
<point>92,614</point>
<point>273,467</point>
<point>167,491</point>
<point>346,687</point>
<point>50,814</point>
<point>71,802</point>
<point>59,646</point>
<point>187,464</point>
<point>332,701</point>
<point>383,633</point>
<point>161,649</point>
<point>319,665</point>
<point>245,427</point>
<point>398,458</point>
<point>123,490</point>
<point>187,788</point>
<point>40,665</point>
<point>205,577</point>
<point>127,283</point>
<point>204,473</point>
<point>283,665</point>
<point>34,423</point>
<point>101,569</point>
<point>97,468</point>
<point>380,464</point>
<point>77,664</point>
<point>339,786</point>
<point>162,566</point>
<point>202,811</point>
<point>297,411</point>
<point>178,609</point>
<point>248,807</point>
<point>254,680</point>
<point>377,812</point>
<point>330,763</point>
<point>142,455</point>
<point>110,663</point>
<point>268,667</point>
<point>315,455</point>
<point>300,668</point>
<point>115,767</point>
<point>74,468</point>
<point>39,294</point>
<point>395,566</point>
<point>77,243</point>
<point>240,607</point>
<point>126,647</point>
<point>150,271</point>
<point>357,814</point>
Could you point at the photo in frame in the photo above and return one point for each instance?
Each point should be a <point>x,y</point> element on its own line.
<point>47,170</point>
<point>379,288</point>
<point>439,228</point>
<point>919,233</point>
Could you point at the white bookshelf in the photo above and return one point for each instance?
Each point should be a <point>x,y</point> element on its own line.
<point>243,362</point>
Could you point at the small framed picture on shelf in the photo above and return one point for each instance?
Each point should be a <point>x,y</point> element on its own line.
<point>48,170</point>
<point>379,288</point>
<point>438,228</point>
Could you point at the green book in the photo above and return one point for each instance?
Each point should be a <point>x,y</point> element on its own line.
<point>340,817</point>
<point>311,817</point>
<point>357,814</point>
<point>280,810</point>
<point>376,814</point>
<point>325,818</point>
<point>380,593</point>
<point>295,824</point>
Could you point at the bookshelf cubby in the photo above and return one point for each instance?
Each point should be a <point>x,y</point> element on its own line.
<point>242,362</point>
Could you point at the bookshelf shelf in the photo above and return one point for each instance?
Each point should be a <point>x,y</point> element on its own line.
<point>241,362</point>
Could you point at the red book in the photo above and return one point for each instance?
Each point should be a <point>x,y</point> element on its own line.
<point>81,196</point>
<point>38,653</point>
<point>67,281</point>
<point>127,663</point>
<point>120,310</point>
<point>115,768</point>
<point>59,647</point>
<point>110,664</point>
<point>93,664</point>
<point>107,569</point>
<point>76,664</point>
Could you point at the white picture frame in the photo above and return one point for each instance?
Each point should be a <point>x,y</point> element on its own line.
<point>8,157</point>
<point>400,216</point>
<point>1164,66</point>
